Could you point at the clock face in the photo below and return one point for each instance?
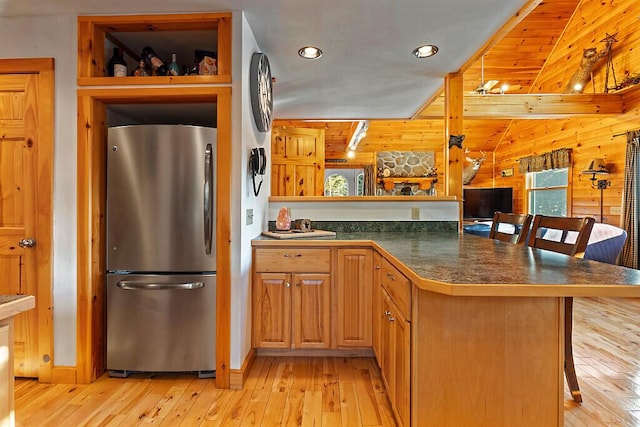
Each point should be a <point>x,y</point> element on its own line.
<point>261,91</point>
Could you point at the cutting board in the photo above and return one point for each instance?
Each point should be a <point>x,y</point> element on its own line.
<point>291,234</point>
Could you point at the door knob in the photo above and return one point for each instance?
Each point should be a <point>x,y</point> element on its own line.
<point>27,243</point>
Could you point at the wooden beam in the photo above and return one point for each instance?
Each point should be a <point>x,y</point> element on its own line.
<point>534,106</point>
<point>453,126</point>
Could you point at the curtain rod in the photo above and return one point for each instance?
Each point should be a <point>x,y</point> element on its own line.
<point>622,134</point>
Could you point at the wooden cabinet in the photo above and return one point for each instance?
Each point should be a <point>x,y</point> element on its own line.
<point>291,295</point>
<point>353,297</point>
<point>182,33</point>
<point>297,162</point>
<point>376,304</point>
<point>395,339</point>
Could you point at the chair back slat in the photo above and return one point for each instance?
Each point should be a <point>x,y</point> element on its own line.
<point>565,235</point>
<point>521,224</point>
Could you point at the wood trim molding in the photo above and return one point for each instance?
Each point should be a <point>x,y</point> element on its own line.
<point>64,375</point>
<point>92,106</point>
<point>237,377</point>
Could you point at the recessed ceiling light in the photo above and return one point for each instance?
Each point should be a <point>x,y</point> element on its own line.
<point>309,52</point>
<point>425,51</point>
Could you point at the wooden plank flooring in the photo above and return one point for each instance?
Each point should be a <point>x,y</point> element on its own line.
<point>334,391</point>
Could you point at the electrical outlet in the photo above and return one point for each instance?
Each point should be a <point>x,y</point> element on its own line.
<point>415,213</point>
<point>249,217</point>
<point>615,210</point>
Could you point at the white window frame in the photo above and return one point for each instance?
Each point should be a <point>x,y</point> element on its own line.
<point>528,189</point>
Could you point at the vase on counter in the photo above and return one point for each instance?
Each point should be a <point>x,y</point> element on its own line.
<point>283,221</point>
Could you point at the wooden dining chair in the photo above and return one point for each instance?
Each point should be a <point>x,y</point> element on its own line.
<point>567,236</point>
<point>516,229</point>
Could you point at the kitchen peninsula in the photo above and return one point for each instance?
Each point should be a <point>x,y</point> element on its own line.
<point>10,305</point>
<point>467,330</point>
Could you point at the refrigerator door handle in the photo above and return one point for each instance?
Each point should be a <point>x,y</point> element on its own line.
<point>134,285</point>
<point>208,198</point>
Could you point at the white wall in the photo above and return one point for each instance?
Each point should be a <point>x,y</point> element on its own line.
<point>246,136</point>
<point>56,36</point>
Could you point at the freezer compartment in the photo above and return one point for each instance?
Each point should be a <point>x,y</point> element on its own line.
<point>161,323</point>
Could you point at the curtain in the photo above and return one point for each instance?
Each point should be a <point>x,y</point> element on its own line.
<point>369,181</point>
<point>629,255</point>
<point>556,159</point>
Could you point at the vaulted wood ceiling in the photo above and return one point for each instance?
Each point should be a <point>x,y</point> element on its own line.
<point>515,56</point>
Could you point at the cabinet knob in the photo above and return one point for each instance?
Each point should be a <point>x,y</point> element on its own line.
<point>377,267</point>
<point>391,277</point>
<point>387,313</point>
<point>288,285</point>
<point>391,318</point>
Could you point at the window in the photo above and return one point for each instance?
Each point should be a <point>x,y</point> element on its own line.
<point>360,184</point>
<point>547,192</point>
<point>336,185</point>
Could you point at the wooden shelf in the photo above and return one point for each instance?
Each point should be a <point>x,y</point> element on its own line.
<point>178,32</point>
<point>423,182</point>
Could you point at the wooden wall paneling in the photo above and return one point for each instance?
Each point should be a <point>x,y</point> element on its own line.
<point>592,21</point>
<point>453,126</point>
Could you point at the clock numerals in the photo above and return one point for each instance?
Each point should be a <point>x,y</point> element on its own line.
<point>261,91</point>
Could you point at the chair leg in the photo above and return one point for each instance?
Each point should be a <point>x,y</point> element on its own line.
<point>569,368</point>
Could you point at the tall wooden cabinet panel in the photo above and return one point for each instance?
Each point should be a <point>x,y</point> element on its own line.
<point>291,295</point>
<point>353,297</point>
<point>297,161</point>
<point>376,304</point>
<point>396,358</point>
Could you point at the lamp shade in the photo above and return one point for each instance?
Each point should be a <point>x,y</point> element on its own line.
<point>596,167</point>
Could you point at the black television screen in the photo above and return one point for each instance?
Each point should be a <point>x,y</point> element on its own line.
<point>481,203</point>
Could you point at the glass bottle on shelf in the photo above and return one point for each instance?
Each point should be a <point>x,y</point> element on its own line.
<point>117,66</point>
<point>142,70</point>
<point>154,61</point>
<point>174,68</point>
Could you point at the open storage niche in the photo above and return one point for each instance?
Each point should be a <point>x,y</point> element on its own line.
<point>181,34</point>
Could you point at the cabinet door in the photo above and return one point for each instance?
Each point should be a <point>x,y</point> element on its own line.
<point>354,284</point>
<point>401,367</point>
<point>387,355</point>
<point>272,302</point>
<point>395,349</point>
<point>376,298</point>
<point>311,296</point>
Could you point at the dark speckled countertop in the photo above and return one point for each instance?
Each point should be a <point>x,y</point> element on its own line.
<point>464,264</point>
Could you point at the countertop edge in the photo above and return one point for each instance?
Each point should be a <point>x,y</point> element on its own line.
<point>475,290</point>
<point>17,306</point>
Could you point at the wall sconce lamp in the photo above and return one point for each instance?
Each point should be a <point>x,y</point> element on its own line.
<point>598,167</point>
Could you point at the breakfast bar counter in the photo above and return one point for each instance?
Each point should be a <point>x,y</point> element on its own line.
<point>486,323</point>
<point>10,305</point>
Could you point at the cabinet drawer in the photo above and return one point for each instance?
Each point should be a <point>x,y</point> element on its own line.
<point>292,260</point>
<point>398,287</point>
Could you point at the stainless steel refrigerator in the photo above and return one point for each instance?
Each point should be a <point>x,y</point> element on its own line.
<point>161,256</point>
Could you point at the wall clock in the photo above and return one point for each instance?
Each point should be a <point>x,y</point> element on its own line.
<point>261,91</point>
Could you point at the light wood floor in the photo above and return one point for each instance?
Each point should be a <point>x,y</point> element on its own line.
<point>334,391</point>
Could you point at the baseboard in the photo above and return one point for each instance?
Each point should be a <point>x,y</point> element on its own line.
<point>275,352</point>
<point>237,377</point>
<point>64,375</point>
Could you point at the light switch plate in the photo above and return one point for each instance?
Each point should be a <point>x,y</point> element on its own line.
<point>249,217</point>
<point>615,210</point>
<point>415,213</point>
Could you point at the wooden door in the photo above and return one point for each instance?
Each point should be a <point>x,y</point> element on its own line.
<point>26,147</point>
<point>354,282</point>
<point>297,162</point>
<point>311,295</point>
<point>272,299</point>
